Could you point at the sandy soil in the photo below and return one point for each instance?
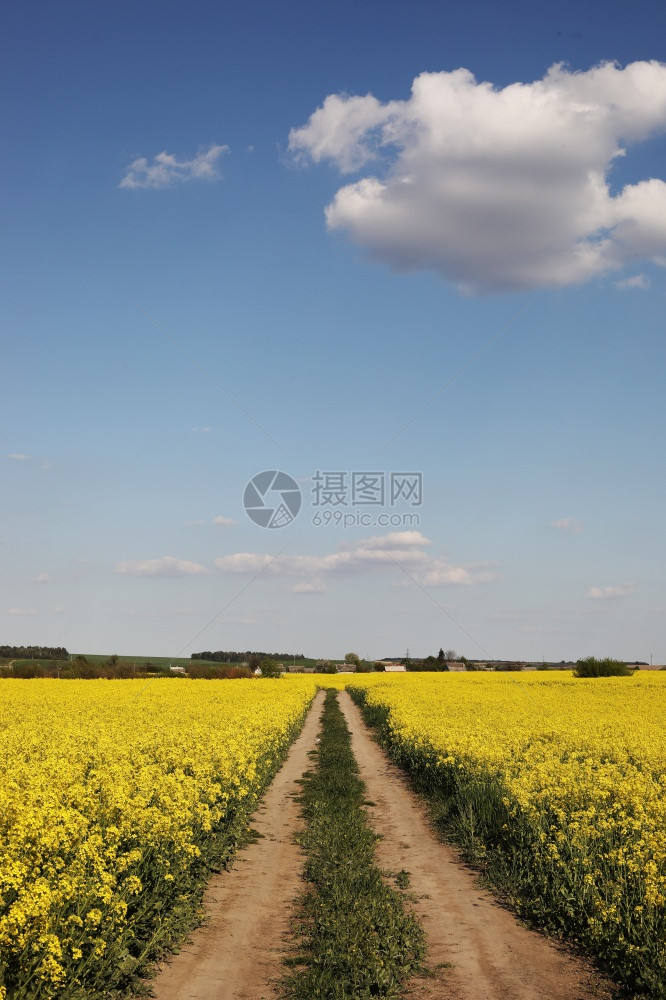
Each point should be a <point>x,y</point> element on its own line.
<point>492,955</point>
<point>238,954</point>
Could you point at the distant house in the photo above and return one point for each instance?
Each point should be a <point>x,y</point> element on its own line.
<point>395,668</point>
<point>177,670</point>
<point>345,668</point>
<point>455,665</point>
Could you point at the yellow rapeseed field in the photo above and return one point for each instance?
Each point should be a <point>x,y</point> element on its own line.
<point>116,797</point>
<point>559,785</point>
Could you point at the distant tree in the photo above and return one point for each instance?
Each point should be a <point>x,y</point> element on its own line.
<point>270,667</point>
<point>432,663</point>
<point>440,656</point>
<point>379,666</point>
<point>364,667</point>
<point>218,671</point>
<point>592,667</point>
<point>353,659</point>
<point>325,667</point>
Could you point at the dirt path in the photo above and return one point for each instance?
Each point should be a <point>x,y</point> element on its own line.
<point>492,956</point>
<point>238,954</point>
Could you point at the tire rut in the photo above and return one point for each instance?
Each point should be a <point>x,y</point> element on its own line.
<point>238,954</point>
<point>488,953</point>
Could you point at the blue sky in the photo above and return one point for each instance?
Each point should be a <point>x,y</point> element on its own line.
<point>258,236</point>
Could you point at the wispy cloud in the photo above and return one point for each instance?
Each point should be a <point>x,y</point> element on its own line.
<point>378,553</point>
<point>610,593</point>
<point>166,169</point>
<point>309,587</point>
<point>165,566</point>
<point>18,456</point>
<point>568,524</point>
<point>22,612</point>
<point>41,578</point>
<point>226,522</point>
<point>636,281</point>
<point>163,613</point>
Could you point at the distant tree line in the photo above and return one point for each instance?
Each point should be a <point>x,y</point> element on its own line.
<point>80,668</point>
<point>222,656</point>
<point>33,652</point>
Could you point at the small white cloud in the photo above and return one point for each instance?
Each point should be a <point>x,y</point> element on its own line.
<point>47,464</point>
<point>636,281</point>
<point>59,611</point>
<point>393,540</point>
<point>19,457</point>
<point>22,612</point>
<point>568,524</point>
<point>166,566</point>
<point>41,578</point>
<point>610,593</point>
<point>442,574</point>
<point>243,562</point>
<point>167,169</point>
<point>201,430</point>
<point>226,522</point>
<point>309,587</point>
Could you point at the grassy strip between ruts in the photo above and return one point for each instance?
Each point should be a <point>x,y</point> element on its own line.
<point>356,940</point>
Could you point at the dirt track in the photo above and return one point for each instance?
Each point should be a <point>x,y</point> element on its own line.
<point>492,955</point>
<point>477,949</point>
<point>238,954</point>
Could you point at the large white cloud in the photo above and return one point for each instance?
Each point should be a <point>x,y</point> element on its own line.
<point>166,169</point>
<point>498,188</point>
<point>402,549</point>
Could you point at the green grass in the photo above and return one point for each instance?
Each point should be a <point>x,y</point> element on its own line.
<point>356,940</point>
